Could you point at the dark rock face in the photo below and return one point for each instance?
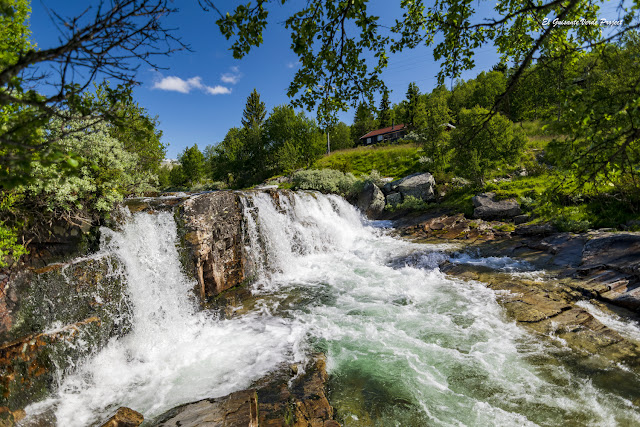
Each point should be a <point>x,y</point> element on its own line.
<point>371,200</point>
<point>213,232</point>
<point>44,317</point>
<point>418,185</point>
<point>486,207</point>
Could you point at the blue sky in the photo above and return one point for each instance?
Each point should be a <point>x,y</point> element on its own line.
<point>199,95</point>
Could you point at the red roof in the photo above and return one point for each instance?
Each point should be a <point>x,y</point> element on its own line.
<point>383,131</point>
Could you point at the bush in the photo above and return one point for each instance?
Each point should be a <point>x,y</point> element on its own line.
<point>409,203</point>
<point>374,177</point>
<point>106,174</point>
<point>327,181</point>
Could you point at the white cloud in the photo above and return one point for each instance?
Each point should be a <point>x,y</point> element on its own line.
<point>232,77</point>
<point>217,90</point>
<point>176,84</point>
<point>293,64</point>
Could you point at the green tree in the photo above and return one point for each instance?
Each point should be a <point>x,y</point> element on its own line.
<point>601,118</point>
<point>132,125</point>
<point>385,114</point>
<point>108,41</point>
<point>434,130</point>
<point>192,163</point>
<point>228,157</point>
<point>107,172</point>
<point>254,111</point>
<point>489,86</point>
<point>413,104</point>
<point>293,140</point>
<point>363,122</point>
<point>481,143</point>
<point>340,136</point>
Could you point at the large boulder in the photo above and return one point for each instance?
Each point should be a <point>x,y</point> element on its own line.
<point>212,227</point>
<point>418,185</point>
<point>488,208</point>
<point>371,200</point>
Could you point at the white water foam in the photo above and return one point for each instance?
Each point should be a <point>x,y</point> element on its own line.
<point>173,354</point>
<point>406,345</point>
<point>397,330</point>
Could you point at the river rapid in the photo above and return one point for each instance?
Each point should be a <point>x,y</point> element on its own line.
<point>406,345</point>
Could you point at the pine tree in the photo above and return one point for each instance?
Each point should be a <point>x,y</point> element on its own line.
<point>413,95</point>
<point>384,117</point>
<point>363,122</point>
<point>254,112</point>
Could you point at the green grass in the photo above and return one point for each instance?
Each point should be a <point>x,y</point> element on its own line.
<point>392,160</point>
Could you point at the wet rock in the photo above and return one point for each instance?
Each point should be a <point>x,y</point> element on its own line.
<point>239,409</point>
<point>296,399</point>
<point>547,307</point>
<point>52,317</point>
<point>371,200</point>
<point>487,208</point>
<point>212,228</point>
<point>291,396</point>
<point>125,417</point>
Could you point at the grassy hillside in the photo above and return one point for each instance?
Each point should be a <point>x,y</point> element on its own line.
<point>528,181</point>
<point>392,160</point>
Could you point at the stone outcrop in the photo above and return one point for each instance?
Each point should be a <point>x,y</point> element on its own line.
<point>125,417</point>
<point>239,409</point>
<point>45,314</point>
<point>371,200</point>
<point>291,396</point>
<point>212,226</point>
<point>418,185</point>
<point>454,227</point>
<point>488,208</point>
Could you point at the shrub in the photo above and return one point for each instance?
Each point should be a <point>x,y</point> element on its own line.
<point>327,181</point>
<point>374,177</point>
<point>409,203</point>
<point>107,172</point>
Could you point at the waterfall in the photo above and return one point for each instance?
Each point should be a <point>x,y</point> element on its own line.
<point>173,354</point>
<point>406,345</point>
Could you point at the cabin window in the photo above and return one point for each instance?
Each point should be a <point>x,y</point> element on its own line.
<point>379,137</point>
<point>368,140</point>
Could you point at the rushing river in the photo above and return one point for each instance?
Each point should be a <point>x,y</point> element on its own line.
<point>406,345</point>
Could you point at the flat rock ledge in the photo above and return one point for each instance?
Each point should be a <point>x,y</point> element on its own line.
<point>291,396</point>
<point>549,308</point>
